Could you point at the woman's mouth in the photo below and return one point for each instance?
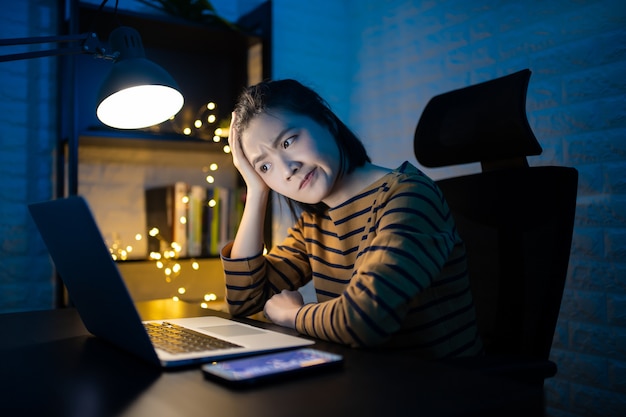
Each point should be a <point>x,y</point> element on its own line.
<point>307,179</point>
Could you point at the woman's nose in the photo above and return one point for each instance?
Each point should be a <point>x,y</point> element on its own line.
<point>291,168</point>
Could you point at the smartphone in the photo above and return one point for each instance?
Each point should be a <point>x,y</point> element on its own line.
<point>252,370</point>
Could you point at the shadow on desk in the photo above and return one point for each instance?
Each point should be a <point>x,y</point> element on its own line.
<point>94,380</point>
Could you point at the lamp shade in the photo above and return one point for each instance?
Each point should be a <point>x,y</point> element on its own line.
<point>137,92</point>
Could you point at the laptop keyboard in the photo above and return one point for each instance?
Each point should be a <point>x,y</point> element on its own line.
<point>177,339</point>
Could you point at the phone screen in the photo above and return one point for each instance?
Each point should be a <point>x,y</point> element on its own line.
<point>245,371</point>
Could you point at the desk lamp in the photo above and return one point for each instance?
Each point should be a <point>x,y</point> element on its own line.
<point>137,93</point>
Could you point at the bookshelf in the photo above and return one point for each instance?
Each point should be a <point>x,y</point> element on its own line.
<point>112,168</point>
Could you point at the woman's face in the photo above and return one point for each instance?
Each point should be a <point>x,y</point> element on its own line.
<point>294,155</point>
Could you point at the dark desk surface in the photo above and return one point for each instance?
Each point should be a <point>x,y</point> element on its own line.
<point>51,366</point>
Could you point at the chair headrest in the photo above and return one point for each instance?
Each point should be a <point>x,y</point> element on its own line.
<point>484,122</point>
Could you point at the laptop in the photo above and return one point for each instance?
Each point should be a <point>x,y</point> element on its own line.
<point>98,292</point>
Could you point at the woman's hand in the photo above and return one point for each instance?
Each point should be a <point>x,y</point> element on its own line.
<point>253,180</point>
<point>282,308</point>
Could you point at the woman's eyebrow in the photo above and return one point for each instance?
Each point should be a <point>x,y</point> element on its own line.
<point>275,144</point>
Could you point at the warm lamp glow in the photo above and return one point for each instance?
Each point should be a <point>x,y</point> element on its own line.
<point>141,106</point>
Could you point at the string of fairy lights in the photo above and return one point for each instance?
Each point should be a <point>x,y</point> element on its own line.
<point>168,259</point>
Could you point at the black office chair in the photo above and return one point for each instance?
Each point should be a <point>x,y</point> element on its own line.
<point>516,220</point>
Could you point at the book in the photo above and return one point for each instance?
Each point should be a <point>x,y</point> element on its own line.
<point>197,220</point>
<point>197,197</point>
<point>166,211</point>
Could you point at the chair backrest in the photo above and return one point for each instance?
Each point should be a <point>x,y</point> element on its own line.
<point>516,221</point>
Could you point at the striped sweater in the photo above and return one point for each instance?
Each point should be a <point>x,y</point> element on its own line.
<point>388,267</point>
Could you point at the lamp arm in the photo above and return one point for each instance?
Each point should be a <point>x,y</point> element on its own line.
<point>89,44</point>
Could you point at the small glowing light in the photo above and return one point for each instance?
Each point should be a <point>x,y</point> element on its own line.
<point>153,232</point>
<point>176,268</point>
<point>195,265</point>
<point>159,264</point>
<point>182,290</point>
<point>138,236</point>
<point>226,149</point>
<point>185,199</point>
<point>168,271</point>
<point>183,220</point>
<point>216,139</point>
<point>210,179</point>
<point>210,105</point>
<point>155,255</point>
<point>204,305</point>
<point>114,256</point>
<point>198,123</point>
<point>213,167</point>
<point>187,131</point>
<point>219,131</point>
<point>129,248</point>
<point>212,203</point>
<point>175,298</point>
<point>210,297</point>
<point>264,251</point>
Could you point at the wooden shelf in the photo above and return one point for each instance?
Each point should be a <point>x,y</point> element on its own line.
<point>139,139</point>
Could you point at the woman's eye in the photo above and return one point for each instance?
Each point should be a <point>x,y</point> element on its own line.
<point>264,167</point>
<point>288,142</point>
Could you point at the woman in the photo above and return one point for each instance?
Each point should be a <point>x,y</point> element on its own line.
<point>380,245</point>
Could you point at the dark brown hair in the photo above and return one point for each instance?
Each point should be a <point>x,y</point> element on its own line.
<point>292,96</point>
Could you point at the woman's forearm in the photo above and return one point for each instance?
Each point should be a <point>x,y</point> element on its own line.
<point>249,239</point>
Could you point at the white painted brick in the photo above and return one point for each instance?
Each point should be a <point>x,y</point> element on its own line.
<point>617,375</point>
<point>616,309</point>
<point>589,401</point>
<point>616,184</point>
<point>607,276</point>
<point>587,242</point>
<point>584,306</point>
<point>598,339</point>
<point>595,210</point>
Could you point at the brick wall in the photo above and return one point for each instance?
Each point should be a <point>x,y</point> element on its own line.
<point>378,63</point>
<point>27,137</point>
